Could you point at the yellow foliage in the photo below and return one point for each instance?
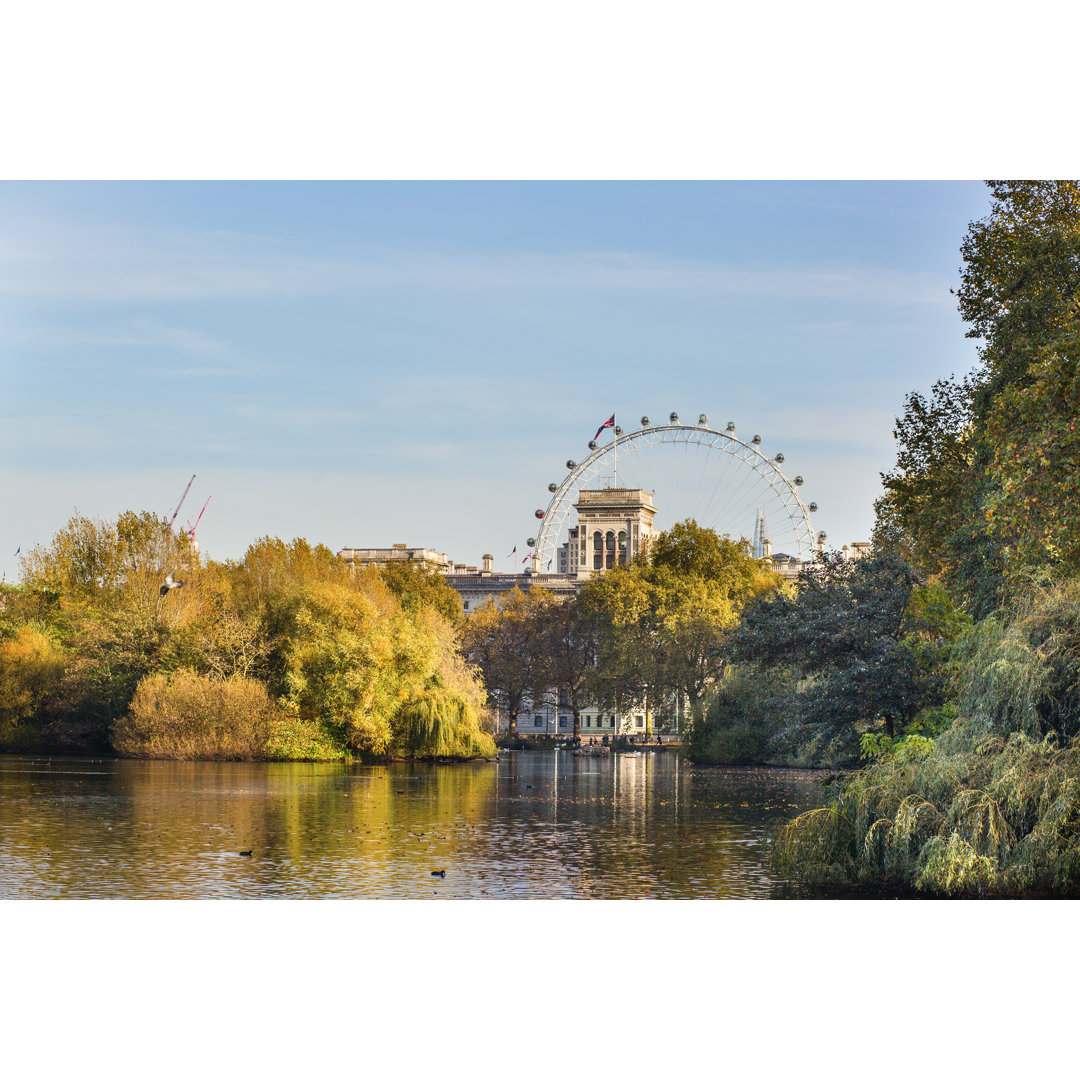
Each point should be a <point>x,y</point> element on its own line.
<point>31,666</point>
<point>187,715</point>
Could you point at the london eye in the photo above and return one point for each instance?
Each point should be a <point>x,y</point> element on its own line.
<point>732,485</point>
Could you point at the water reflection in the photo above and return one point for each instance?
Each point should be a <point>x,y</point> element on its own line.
<point>532,825</point>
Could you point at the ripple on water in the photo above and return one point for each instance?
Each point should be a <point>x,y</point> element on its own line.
<point>527,827</point>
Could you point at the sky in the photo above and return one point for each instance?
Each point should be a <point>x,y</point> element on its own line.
<point>365,363</point>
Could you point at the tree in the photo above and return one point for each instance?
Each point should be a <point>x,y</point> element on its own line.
<point>983,493</point>
<point>31,665</point>
<point>567,644</point>
<point>847,633</point>
<point>503,639</point>
<point>690,550</point>
<point>927,492</point>
<point>417,586</point>
<point>662,621</point>
<point>123,562</point>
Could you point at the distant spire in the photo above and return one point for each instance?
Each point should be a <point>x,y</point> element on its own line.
<point>761,534</point>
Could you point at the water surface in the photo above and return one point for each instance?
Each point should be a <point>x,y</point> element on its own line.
<point>536,824</point>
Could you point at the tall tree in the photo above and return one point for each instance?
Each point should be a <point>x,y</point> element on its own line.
<point>503,639</point>
<point>984,490</point>
<point>568,642</point>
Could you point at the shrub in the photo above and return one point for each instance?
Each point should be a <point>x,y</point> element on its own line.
<point>187,715</point>
<point>31,666</point>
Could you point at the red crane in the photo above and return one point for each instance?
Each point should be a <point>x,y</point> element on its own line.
<point>191,528</point>
<point>181,502</point>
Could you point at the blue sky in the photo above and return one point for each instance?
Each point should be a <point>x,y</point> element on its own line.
<point>374,362</point>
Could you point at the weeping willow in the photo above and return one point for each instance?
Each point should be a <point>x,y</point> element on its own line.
<point>977,815</point>
<point>991,807</point>
<point>439,723</point>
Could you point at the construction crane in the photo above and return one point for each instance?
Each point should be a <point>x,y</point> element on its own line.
<point>191,528</point>
<point>181,502</point>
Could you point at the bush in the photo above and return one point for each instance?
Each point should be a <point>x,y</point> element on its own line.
<point>187,715</point>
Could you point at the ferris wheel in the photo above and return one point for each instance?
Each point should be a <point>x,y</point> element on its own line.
<point>693,471</point>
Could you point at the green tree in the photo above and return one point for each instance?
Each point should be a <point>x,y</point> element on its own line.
<point>984,490</point>
<point>848,634</point>
<point>663,620</point>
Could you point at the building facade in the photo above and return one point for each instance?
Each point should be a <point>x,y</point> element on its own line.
<point>613,528</point>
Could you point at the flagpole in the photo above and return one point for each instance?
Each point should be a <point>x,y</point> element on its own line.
<point>615,451</point>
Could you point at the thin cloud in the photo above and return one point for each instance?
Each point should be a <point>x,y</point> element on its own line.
<point>118,266</point>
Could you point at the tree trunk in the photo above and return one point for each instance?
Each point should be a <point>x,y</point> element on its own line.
<point>577,722</point>
<point>511,727</point>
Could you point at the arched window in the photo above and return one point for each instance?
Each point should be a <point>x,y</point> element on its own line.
<point>598,541</point>
<point>611,541</point>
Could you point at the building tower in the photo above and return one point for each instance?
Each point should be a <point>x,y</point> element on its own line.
<point>614,527</point>
<point>762,546</point>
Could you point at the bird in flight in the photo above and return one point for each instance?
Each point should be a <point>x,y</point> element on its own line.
<point>169,584</point>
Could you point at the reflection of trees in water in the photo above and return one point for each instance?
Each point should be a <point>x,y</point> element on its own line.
<point>533,824</point>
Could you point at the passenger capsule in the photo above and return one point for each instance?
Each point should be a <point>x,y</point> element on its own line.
<point>702,419</point>
<point>779,459</point>
<point>531,541</point>
<point>539,513</point>
<point>674,417</point>
<point>571,464</point>
<point>756,440</point>
<point>593,444</point>
<point>618,430</point>
<point>798,481</point>
<point>731,425</point>
<point>553,488</point>
<point>822,536</point>
<point>812,507</point>
<point>644,421</point>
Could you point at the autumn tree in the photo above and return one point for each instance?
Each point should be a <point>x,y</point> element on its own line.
<point>503,638</point>
<point>567,646</point>
<point>417,586</point>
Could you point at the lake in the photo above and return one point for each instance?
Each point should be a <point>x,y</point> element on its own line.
<point>536,824</point>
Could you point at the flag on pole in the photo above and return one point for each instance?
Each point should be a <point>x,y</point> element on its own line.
<point>18,549</point>
<point>512,553</point>
<point>549,564</point>
<point>526,559</point>
<point>610,422</point>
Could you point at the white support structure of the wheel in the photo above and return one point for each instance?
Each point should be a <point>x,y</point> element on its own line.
<point>562,502</point>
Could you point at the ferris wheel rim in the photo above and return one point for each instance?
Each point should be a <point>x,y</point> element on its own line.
<point>554,517</point>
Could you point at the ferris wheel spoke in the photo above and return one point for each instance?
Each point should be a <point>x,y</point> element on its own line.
<point>732,480</point>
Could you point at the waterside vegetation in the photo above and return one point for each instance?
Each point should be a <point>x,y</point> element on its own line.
<point>284,654</point>
<point>978,792</point>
